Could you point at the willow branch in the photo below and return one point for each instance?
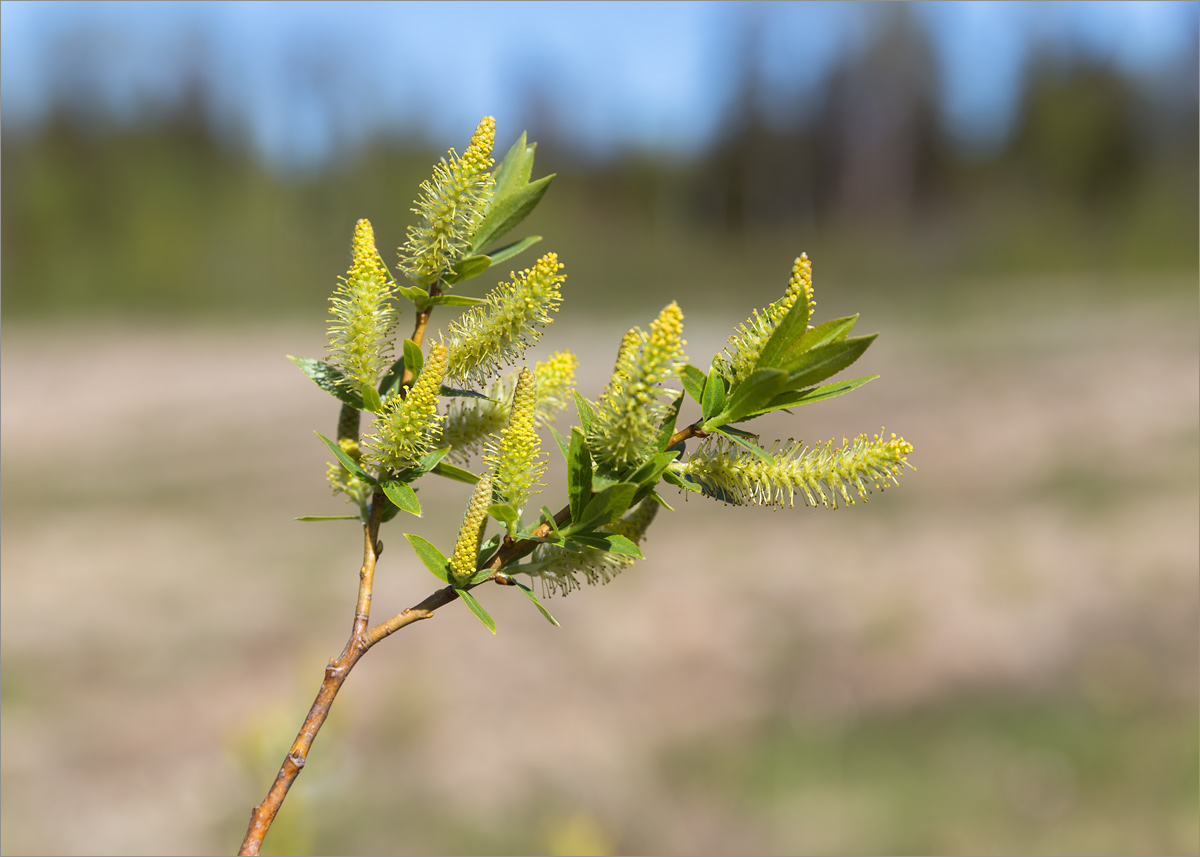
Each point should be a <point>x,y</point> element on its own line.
<point>362,639</point>
<point>418,334</point>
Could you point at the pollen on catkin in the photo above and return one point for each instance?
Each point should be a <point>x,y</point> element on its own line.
<point>497,333</point>
<point>516,458</point>
<point>466,549</point>
<point>361,314</point>
<point>450,208</point>
<point>746,345</point>
<point>560,569</point>
<point>821,475</point>
<point>408,427</point>
<point>629,410</point>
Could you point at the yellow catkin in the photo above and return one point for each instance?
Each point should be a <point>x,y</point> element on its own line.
<point>516,457</point>
<point>745,346</point>
<point>486,337</point>
<point>821,475</point>
<point>450,208</point>
<point>466,549</point>
<point>362,314</point>
<point>408,427</point>
<point>629,410</point>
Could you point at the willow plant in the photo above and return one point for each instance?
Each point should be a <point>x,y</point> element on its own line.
<point>441,403</point>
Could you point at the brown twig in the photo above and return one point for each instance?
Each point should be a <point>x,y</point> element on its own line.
<point>361,640</point>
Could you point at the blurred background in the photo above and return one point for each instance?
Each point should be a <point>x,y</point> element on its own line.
<point>999,655</point>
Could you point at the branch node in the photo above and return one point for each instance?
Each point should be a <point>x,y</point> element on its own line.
<point>297,760</point>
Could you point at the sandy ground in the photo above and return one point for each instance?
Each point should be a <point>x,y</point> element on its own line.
<point>165,622</point>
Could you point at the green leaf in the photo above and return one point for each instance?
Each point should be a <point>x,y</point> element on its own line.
<point>390,510</point>
<point>787,333</point>
<point>657,498</point>
<point>371,400</point>
<point>393,377</point>
<point>673,478</point>
<point>752,394</point>
<point>477,609</point>
<point>652,468</point>
<point>464,269</point>
<point>693,381</point>
<point>504,513</point>
<point>714,394</point>
<point>743,440</point>
<point>613,543</point>
<point>563,445</point>
<point>503,254</point>
<point>507,211</point>
<point>514,170</point>
<point>823,334</point>
<point>403,495</point>
<point>330,379</point>
<point>529,594</point>
<point>328,518</point>
<point>456,393</point>
<point>346,461</point>
<point>667,429</point>
<point>414,359</point>
<point>825,360</point>
<point>586,414</point>
<point>815,394</point>
<point>433,558</point>
<point>455,473</point>
<point>430,461</point>
<point>606,506</point>
<point>549,516</point>
<point>456,300</point>
<point>579,473</point>
<point>416,294</point>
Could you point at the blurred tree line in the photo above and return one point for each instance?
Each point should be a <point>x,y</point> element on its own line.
<point>1099,175</point>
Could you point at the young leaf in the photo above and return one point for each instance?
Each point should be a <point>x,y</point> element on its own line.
<point>327,518</point>
<point>714,394</point>
<point>431,461</point>
<point>667,430</point>
<point>391,379</point>
<point>693,381</point>
<point>504,513</point>
<point>402,494</point>
<point>456,300</point>
<point>788,332</point>
<point>652,468</point>
<point>549,516</point>
<point>433,558</point>
<point>371,400</point>
<point>414,359</point>
<point>416,294</point>
<point>563,445</point>
<point>503,254</point>
<point>346,461</point>
<point>328,378</point>
<point>538,604</point>
<point>464,269</point>
<point>815,394</point>
<point>515,169</point>
<point>457,393</point>
<point>683,483</point>
<point>825,360</point>
<point>477,609</point>
<point>751,395</point>
<point>613,543</point>
<point>606,506</point>
<point>823,334</point>
<point>579,473</point>
<point>455,473</point>
<point>586,413</point>
<point>506,212</point>
<point>743,439</point>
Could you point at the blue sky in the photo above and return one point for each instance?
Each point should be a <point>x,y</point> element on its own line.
<point>301,81</point>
